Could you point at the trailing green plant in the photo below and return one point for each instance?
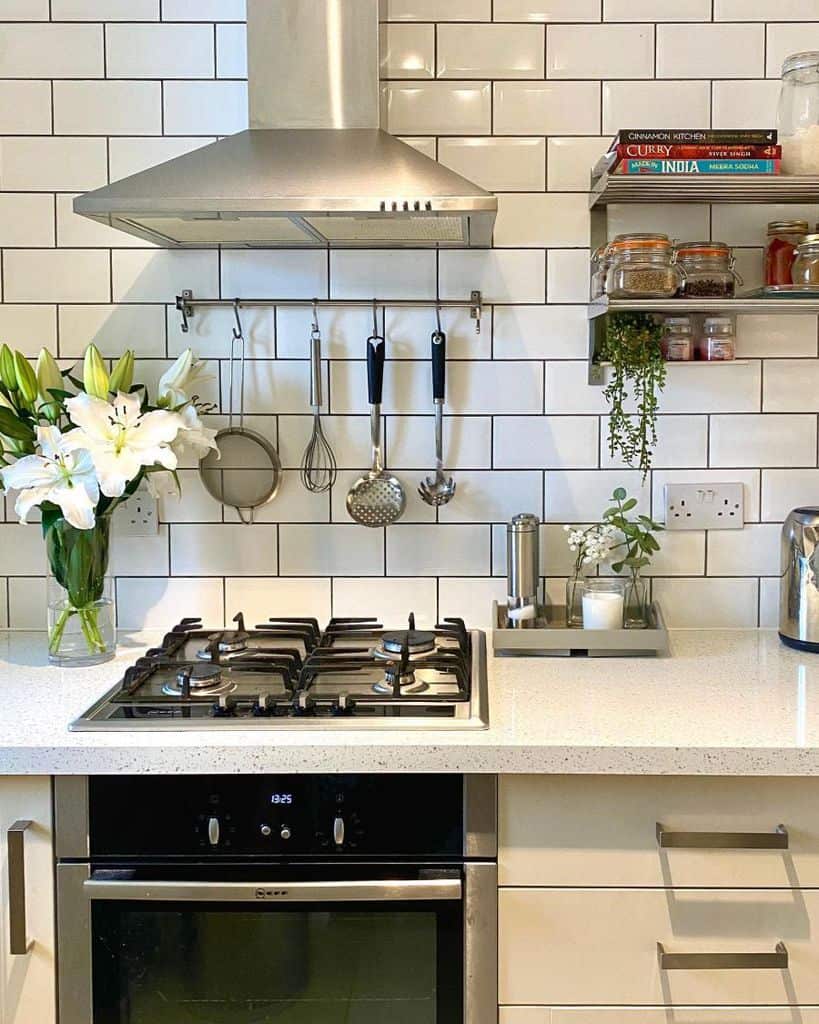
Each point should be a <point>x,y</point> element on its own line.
<point>632,346</point>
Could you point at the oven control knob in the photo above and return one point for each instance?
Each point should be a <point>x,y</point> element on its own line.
<point>286,832</point>
<point>266,830</point>
<point>213,831</point>
<point>338,830</point>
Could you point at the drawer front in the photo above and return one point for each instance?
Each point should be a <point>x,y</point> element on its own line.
<point>579,831</point>
<point>634,1015</point>
<point>600,946</point>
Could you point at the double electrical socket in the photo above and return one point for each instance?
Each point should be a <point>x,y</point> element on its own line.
<point>704,506</point>
<point>139,515</point>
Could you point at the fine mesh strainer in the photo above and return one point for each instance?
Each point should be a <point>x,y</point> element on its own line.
<point>245,472</point>
<point>376,499</point>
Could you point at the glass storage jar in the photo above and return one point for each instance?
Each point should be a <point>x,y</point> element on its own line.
<point>708,270</point>
<point>783,238</point>
<point>599,271</point>
<point>798,114</point>
<point>677,342</point>
<point>642,266</point>
<point>718,339</point>
<point>805,269</point>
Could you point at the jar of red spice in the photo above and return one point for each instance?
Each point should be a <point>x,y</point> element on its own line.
<point>783,238</point>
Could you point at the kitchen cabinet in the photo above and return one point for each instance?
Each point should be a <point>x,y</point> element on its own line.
<point>27,981</point>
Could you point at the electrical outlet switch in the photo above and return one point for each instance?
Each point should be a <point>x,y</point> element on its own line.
<point>704,506</point>
<point>139,515</point>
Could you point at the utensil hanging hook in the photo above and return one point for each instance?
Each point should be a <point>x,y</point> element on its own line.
<point>315,327</point>
<point>238,334</point>
<point>375,319</point>
<point>438,316</point>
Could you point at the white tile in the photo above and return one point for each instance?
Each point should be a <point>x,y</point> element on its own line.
<point>436,108</point>
<point>769,603</point>
<point>581,496</point>
<point>786,489</point>
<point>113,329</point>
<point>407,51</point>
<point>502,276</point>
<point>753,551</point>
<point>709,388</point>
<point>408,333</point>
<point>490,51</point>
<point>694,51</point>
<point>293,504</point>
<point>680,554</point>
<point>567,275</point>
<point>343,332</point>
<point>26,219</point>
<point>495,388</point>
<point>27,602</point>
<point>547,108</point>
<point>144,556</point>
<point>264,599</point>
<point>494,497</point>
<point>128,156</point>
<point>273,385</point>
<point>745,104</point>
<point>75,231</point>
<point>682,442</point>
<point>568,390</point>
<point>647,104</point>
<point>223,550</point>
<point>749,478</point>
<point>364,273</point>
<point>331,550</point>
<point>159,51</point>
<point>51,51</point>
<point>349,437</point>
<point>205,108</point>
<point>545,219</point>
<point>24,10</point>
<point>657,10</point>
<point>547,10</point>
<point>790,385</point>
<point>25,108</point>
<point>394,598</point>
<point>496,164</point>
<point>45,165</point>
<point>40,275</point>
<point>157,603</point>
<point>423,143</point>
<point>204,10</point>
<point>438,550</point>
<point>431,10</point>
<point>783,40</point>
<point>4,617</point>
<point>158,276</point>
<point>191,504</point>
<point>276,274</point>
<point>745,224</point>
<point>231,51</point>
<point>467,442</point>
<point>406,388</point>
<point>209,332</point>
<point>29,327</point>
<point>105,10</point>
<point>23,549</point>
<point>471,599</point>
<point>677,220</point>
<point>600,51</point>
<point>708,604</point>
<point>550,442</point>
<point>107,108</point>
<point>760,10</point>
<point>768,440</point>
<point>570,162</point>
<point>776,336</point>
<point>540,332</point>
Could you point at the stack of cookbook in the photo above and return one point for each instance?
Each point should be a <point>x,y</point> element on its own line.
<point>694,151</point>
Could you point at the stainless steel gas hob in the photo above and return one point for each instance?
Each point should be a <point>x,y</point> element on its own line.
<point>289,673</point>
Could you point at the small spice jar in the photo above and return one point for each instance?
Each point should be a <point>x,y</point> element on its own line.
<point>718,339</point>
<point>708,270</point>
<point>677,342</point>
<point>783,238</point>
<point>642,266</point>
<point>806,265</point>
<point>599,271</point>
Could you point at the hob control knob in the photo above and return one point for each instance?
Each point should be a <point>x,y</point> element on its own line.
<point>338,831</point>
<point>214,831</point>
<point>266,830</point>
<point>286,832</point>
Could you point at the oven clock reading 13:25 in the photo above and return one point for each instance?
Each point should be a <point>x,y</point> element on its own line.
<point>282,798</point>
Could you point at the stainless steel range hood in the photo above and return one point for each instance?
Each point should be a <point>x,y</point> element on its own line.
<point>314,169</point>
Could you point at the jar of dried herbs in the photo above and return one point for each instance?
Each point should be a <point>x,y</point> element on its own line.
<point>707,270</point>
<point>642,266</point>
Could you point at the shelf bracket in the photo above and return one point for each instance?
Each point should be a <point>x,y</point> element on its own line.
<point>183,304</point>
<point>597,373</point>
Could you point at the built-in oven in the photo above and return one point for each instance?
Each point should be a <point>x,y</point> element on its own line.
<point>277,899</point>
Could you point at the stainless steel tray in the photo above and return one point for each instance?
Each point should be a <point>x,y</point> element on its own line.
<point>548,636</point>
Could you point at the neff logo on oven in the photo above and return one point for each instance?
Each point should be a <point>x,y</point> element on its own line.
<point>266,894</point>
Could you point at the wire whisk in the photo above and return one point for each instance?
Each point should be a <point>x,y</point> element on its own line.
<point>318,463</point>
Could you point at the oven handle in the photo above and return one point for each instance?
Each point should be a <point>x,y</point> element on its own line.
<point>101,886</point>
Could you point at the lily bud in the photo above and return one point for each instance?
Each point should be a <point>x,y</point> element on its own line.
<point>94,374</point>
<point>49,378</point>
<point>122,376</point>
<point>7,374</point>
<point>26,379</point>
<point>172,390</point>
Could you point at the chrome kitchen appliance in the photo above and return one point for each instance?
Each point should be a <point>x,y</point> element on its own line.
<point>268,898</point>
<point>799,583</point>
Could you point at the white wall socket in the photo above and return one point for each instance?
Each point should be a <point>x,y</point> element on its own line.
<point>139,515</point>
<point>704,506</point>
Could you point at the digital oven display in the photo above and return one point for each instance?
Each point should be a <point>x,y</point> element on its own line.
<point>283,799</point>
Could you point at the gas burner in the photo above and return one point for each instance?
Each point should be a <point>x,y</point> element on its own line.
<point>226,643</point>
<point>198,681</point>
<point>402,650</point>
<point>416,642</point>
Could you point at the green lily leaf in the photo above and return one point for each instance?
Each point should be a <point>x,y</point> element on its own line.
<point>14,427</point>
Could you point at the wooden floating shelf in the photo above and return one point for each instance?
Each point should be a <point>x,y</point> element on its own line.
<point>704,188</point>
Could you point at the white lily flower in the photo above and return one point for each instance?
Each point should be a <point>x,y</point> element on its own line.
<point>122,439</point>
<point>63,474</point>
<point>176,384</point>
<point>194,435</point>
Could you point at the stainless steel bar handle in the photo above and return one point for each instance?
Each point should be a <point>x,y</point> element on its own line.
<point>104,887</point>
<point>778,960</point>
<point>18,942</point>
<point>776,840</point>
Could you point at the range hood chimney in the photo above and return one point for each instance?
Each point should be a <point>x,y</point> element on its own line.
<point>314,169</point>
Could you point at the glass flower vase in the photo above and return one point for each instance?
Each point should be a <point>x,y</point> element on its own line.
<point>635,615</point>
<point>575,586</point>
<point>81,613</point>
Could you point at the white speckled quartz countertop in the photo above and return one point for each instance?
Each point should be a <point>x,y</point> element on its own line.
<point>728,702</point>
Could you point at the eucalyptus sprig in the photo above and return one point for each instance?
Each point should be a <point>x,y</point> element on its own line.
<point>639,540</point>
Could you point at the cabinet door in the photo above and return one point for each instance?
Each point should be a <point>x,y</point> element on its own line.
<point>27,981</point>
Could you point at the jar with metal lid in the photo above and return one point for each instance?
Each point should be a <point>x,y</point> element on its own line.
<point>783,238</point>
<point>600,262</point>
<point>718,339</point>
<point>677,341</point>
<point>642,266</point>
<point>798,114</point>
<point>806,265</point>
<point>708,270</point>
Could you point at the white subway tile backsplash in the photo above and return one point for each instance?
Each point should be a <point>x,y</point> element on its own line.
<point>712,388</point>
<point>567,275</point>
<point>25,107</point>
<point>154,603</point>
<point>23,550</point>
<point>266,598</point>
<point>786,489</point>
<point>581,496</point>
<point>547,219</point>
<point>408,331</point>
<point>113,329</point>
<point>128,156</point>
<point>749,478</point>
<point>759,336</point>
<point>438,550</point>
<point>546,108</point>
<point>540,332</point>
<point>753,551</point>
<point>490,51</point>
<point>51,164</point>
<point>104,10</point>
<point>349,437</point>
<point>24,10</point>
<point>27,601</point>
<point>76,231</point>
<point>708,604</point>
<point>495,388</point>
<point>471,599</point>
<point>26,219</point>
<point>677,220</point>
<point>600,51</point>
<point>681,554</point>
<point>392,598</point>
<point>107,108</point>
<point>657,10</point>
<point>204,10</point>
<point>760,10</point>
<point>783,40</point>
<point>364,273</point>
<point>649,104</point>
<point>416,510</point>
<point>769,440</point>
<point>273,274</point>
<point>205,108</point>
<point>695,51</point>
<point>551,442</point>
<point>501,276</point>
<point>28,327</point>
<point>51,275</point>
<point>570,161</point>
<point>437,108</point>
<point>159,51</point>
<point>547,10</point>
<point>568,391</point>
<point>153,554</point>
<point>497,164</point>
<point>430,10</point>
<point>769,603</point>
<point>494,497</point>
<point>745,224</point>
<point>141,275</point>
<point>682,441</point>
<point>409,442</point>
<point>51,51</point>
<point>790,385</point>
<point>407,51</point>
<point>745,104</point>
<point>280,385</point>
<point>231,51</point>
<point>223,550</point>
<point>191,504</point>
<point>331,550</point>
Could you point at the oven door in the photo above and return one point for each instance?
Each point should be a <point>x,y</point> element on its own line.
<point>138,946</point>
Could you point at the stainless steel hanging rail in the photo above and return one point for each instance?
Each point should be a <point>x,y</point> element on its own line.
<point>186,304</point>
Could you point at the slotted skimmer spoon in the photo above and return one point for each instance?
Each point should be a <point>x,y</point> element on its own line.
<point>440,489</point>
<point>376,499</point>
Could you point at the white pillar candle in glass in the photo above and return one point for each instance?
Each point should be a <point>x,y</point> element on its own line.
<point>603,604</point>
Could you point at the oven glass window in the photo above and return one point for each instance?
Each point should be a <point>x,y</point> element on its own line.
<point>393,963</point>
